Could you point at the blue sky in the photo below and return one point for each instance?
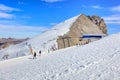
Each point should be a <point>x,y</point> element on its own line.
<point>28,18</point>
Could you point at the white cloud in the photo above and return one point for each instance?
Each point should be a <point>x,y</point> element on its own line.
<point>7,9</point>
<point>21,28</point>
<point>6,15</point>
<point>93,6</point>
<point>6,12</point>
<point>113,22</point>
<point>116,8</point>
<point>11,28</point>
<point>113,19</point>
<point>20,31</point>
<point>96,7</point>
<point>51,1</point>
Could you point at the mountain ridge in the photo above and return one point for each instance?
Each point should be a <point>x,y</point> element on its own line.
<point>47,41</point>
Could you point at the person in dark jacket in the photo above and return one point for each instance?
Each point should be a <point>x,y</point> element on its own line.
<point>34,55</point>
<point>40,52</point>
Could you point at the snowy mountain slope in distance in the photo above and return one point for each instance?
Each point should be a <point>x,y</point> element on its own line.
<point>99,60</point>
<point>42,42</point>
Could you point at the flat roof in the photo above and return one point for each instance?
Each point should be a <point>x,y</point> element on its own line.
<point>95,34</point>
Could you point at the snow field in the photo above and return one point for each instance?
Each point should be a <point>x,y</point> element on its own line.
<point>95,61</point>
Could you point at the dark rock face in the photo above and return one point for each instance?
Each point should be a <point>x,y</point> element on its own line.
<point>99,22</point>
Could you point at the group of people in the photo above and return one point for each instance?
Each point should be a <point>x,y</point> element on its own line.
<point>35,54</point>
<point>5,56</point>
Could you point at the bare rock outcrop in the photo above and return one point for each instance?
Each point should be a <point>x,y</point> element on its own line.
<point>99,22</point>
<point>83,25</point>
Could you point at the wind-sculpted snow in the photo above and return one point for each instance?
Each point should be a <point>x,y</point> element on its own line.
<point>99,60</point>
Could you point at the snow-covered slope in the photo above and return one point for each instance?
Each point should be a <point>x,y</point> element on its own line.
<point>99,60</point>
<point>42,42</point>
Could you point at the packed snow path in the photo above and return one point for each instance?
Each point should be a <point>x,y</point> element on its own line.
<point>99,60</point>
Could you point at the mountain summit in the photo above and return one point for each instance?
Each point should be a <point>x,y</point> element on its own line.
<point>57,37</point>
<point>82,25</point>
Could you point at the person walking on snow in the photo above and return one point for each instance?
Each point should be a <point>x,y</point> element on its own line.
<point>40,52</point>
<point>34,55</point>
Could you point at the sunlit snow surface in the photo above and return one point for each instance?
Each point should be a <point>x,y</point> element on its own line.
<point>99,60</point>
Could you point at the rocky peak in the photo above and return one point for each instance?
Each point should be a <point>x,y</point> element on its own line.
<point>99,22</point>
<point>83,25</point>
